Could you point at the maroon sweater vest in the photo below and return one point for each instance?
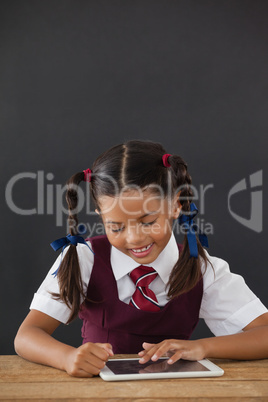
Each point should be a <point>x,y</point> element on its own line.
<point>107,319</point>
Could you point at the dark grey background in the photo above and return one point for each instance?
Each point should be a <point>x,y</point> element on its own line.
<point>80,76</point>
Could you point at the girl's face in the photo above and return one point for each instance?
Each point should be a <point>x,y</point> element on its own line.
<point>139,223</point>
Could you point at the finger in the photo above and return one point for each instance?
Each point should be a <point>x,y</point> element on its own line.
<point>106,346</point>
<point>91,358</point>
<point>184,350</point>
<point>149,354</point>
<point>96,350</point>
<point>84,368</point>
<point>90,369</point>
<point>156,352</point>
<point>146,346</point>
<point>177,356</point>
<point>161,350</point>
<point>94,361</point>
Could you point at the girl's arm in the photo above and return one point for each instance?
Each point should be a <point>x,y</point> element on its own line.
<point>252,343</point>
<point>35,343</point>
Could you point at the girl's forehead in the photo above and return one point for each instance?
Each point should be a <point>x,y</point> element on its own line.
<point>132,202</point>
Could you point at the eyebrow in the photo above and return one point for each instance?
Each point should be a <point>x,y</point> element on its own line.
<point>140,217</point>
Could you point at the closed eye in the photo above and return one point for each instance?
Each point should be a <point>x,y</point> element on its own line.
<point>117,230</point>
<point>148,223</point>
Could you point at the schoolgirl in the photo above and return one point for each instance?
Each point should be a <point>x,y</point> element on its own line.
<point>135,288</point>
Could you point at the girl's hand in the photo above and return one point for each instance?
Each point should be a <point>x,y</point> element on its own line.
<point>88,359</point>
<point>178,349</point>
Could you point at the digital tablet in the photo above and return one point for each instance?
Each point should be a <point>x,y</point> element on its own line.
<point>131,369</point>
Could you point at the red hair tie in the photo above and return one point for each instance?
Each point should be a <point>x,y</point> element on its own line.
<point>165,160</point>
<point>87,175</point>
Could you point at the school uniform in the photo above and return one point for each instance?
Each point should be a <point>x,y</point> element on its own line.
<point>221,298</point>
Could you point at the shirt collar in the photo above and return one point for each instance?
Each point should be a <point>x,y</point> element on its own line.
<point>122,264</point>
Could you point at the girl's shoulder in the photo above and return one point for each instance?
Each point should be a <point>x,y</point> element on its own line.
<point>85,252</point>
<point>215,271</point>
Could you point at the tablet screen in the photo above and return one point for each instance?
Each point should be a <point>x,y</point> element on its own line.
<point>161,366</point>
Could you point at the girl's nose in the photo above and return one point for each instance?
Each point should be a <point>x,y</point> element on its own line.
<point>135,235</point>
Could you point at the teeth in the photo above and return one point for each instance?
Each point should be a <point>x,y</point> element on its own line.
<point>140,250</point>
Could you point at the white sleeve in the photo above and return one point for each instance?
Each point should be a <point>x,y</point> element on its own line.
<point>228,305</point>
<point>43,300</point>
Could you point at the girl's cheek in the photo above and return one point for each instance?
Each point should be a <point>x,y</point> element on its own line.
<point>154,230</point>
<point>159,231</point>
<point>116,239</point>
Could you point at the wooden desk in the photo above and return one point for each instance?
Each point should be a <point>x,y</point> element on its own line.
<point>22,380</point>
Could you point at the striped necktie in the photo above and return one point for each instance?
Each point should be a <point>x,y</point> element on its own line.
<point>144,298</point>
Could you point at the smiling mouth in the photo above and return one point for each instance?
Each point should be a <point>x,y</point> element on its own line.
<point>141,250</point>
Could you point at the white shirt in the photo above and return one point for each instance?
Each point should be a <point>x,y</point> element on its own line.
<point>227,306</point>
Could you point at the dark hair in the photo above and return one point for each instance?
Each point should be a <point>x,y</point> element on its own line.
<point>135,163</point>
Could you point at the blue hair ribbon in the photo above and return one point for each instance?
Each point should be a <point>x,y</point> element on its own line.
<point>187,221</point>
<point>64,242</point>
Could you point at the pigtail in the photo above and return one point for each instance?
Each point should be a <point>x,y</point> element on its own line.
<point>69,275</point>
<point>187,271</point>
